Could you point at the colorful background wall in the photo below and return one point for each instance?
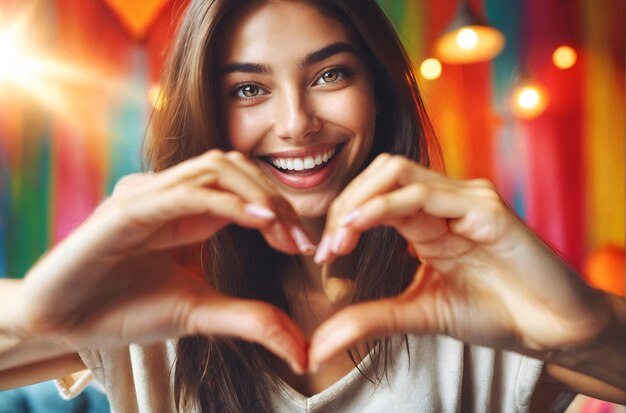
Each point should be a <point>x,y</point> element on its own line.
<point>73,115</point>
<point>72,118</point>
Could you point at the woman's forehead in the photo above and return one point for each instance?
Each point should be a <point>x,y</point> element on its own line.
<point>280,30</point>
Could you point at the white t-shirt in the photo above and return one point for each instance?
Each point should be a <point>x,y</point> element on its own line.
<point>443,375</point>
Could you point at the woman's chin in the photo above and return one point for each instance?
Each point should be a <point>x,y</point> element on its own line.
<point>310,208</point>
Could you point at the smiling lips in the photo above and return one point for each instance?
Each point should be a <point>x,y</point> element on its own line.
<point>305,171</point>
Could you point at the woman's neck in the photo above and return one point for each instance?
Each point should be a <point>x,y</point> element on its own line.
<point>307,279</point>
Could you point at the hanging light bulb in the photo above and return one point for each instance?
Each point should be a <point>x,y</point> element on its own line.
<point>469,38</point>
<point>530,99</point>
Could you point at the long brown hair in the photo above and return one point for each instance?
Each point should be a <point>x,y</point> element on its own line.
<point>217,374</point>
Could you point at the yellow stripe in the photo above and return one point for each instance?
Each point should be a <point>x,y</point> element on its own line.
<point>604,129</point>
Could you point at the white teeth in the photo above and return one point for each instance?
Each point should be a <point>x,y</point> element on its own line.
<point>298,164</point>
<point>308,162</point>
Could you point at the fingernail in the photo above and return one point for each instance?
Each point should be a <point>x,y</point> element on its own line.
<point>350,218</point>
<point>340,237</point>
<point>323,249</point>
<point>259,211</point>
<point>304,243</point>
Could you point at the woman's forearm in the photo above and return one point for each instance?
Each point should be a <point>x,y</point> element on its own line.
<point>18,349</point>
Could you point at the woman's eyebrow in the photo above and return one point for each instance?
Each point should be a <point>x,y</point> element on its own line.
<point>326,52</point>
<point>310,59</point>
<point>256,68</point>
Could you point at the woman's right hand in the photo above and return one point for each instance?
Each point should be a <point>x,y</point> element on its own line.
<point>115,281</point>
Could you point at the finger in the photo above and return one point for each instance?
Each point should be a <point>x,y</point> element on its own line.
<point>252,321</point>
<point>130,182</point>
<point>386,174</point>
<point>387,208</point>
<point>253,171</point>
<point>169,217</point>
<point>214,169</point>
<point>473,214</point>
<point>291,223</point>
<point>201,165</point>
<point>389,174</point>
<point>360,322</point>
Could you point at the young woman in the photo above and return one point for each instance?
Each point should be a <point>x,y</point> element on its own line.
<point>295,204</point>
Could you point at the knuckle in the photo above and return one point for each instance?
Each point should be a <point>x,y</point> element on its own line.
<point>381,204</point>
<point>494,207</point>
<point>383,157</point>
<point>117,210</point>
<point>491,195</point>
<point>268,323</point>
<point>417,190</point>
<point>215,152</point>
<point>399,165</point>
<point>213,156</point>
<point>483,183</point>
<point>336,208</point>
<point>236,155</point>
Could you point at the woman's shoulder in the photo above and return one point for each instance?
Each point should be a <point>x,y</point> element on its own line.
<point>135,374</point>
<point>481,375</point>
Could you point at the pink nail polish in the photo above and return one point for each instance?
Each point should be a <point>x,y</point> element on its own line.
<point>259,211</point>
<point>350,218</point>
<point>304,244</point>
<point>338,240</point>
<point>323,249</point>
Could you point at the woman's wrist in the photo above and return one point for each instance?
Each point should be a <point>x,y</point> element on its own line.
<point>603,355</point>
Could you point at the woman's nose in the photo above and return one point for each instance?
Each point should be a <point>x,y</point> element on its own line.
<point>295,118</point>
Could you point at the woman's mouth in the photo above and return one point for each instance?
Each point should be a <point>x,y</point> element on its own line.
<point>304,171</point>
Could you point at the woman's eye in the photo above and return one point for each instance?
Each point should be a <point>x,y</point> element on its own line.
<point>249,91</point>
<point>331,76</point>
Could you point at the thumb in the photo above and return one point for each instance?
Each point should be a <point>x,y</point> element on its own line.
<point>405,313</point>
<point>253,321</point>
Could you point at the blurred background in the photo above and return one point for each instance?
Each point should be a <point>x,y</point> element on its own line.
<point>526,93</point>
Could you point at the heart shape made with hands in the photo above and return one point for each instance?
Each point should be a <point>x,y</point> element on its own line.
<point>339,289</point>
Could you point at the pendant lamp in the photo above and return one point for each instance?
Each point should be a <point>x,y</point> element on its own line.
<point>468,38</point>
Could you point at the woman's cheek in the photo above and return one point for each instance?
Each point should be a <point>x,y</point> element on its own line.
<point>245,126</point>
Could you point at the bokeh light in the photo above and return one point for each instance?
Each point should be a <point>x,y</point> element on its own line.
<point>529,101</point>
<point>430,68</point>
<point>155,94</point>
<point>564,57</point>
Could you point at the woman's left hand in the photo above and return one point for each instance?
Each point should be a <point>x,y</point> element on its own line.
<point>485,277</point>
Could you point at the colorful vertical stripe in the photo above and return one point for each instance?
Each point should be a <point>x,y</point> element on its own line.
<point>563,172</point>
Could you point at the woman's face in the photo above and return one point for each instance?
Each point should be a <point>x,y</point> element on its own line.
<point>298,100</point>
